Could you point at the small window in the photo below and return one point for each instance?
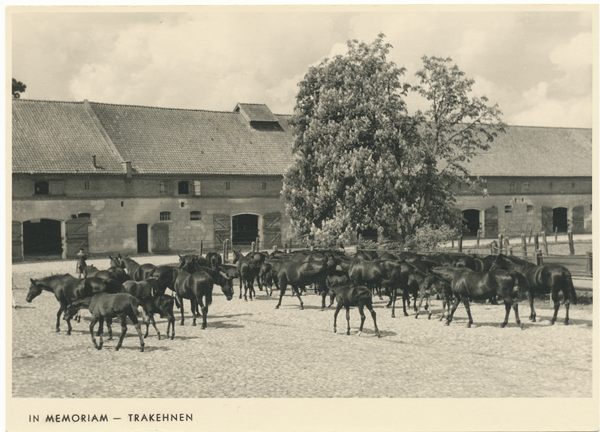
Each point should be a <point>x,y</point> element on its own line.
<point>165,216</point>
<point>195,216</point>
<point>264,185</point>
<point>529,209</point>
<point>86,185</point>
<point>42,188</point>
<point>84,215</point>
<point>183,188</point>
<point>182,205</point>
<point>227,185</point>
<point>512,186</point>
<point>573,185</point>
<point>508,209</point>
<point>122,203</point>
<point>525,187</point>
<point>551,185</point>
<point>197,188</point>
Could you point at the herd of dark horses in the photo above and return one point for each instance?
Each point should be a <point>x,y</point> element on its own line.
<point>128,289</point>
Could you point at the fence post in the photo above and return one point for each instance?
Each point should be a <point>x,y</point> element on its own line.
<point>312,248</point>
<point>510,251</point>
<point>225,250</point>
<point>536,241</point>
<point>530,234</point>
<point>589,263</point>
<point>493,248</point>
<point>538,257</point>
<point>201,246</point>
<point>285,249</point>
<point>257,244</point>
<point>478,236</point>
<point>545,242</point>
<point>274,248</point>
<point>524,245</point>
<point>252,246</point>
<point>460,244</point>
<point>452,243</point>
<point>500,243</point>
<point>555,234</point>
<point>571,244</point>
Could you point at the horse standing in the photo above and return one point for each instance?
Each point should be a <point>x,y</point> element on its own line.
<point>108,306</point>
<point>546,279</point>
<point>66,289</point>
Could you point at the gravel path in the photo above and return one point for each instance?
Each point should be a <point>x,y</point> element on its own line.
<point>252,350</point>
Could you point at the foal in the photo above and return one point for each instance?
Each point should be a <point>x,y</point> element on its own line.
<point>108,306</point>
<point>349,295</point>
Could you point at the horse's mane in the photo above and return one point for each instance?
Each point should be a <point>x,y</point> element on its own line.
<point>518,261</point>
<point>54,276</point>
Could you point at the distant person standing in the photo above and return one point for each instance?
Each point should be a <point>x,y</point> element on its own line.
<point>81,264</point>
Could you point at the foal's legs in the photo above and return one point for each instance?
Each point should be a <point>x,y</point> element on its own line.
<point>556,307</point>
<point>532,315</point>
<point>296,291</point>
<point>123,331</point>
<point>373,315</point>
<point>419,307</point>
<point>507,305</point>
<point>151,320</point>
<point>348,319</point>
<point>454,306</point>
<point>60,311</point>
<point>335,314</point>
<point>132,316</point>
<point>92,324</point>
<point>362,317</point>
<point>468,308</point>
<point>180,299</point>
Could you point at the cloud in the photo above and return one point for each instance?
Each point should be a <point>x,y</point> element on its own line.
<point>575,54</point>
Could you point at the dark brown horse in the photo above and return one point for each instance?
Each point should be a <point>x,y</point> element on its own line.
<point>359,296</point>
<point>301,272</point>
<point>108,306</point>
<point>67,289</point>
<point>248,268</point>
<point>546,279</point>
<point>198,288</point>
<point>137,272</point>
<point>467,284</point>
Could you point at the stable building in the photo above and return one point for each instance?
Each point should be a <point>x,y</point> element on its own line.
<point>132,179</point>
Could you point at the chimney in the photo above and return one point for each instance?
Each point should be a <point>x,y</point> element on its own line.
<point>94,161</point>
<point>128,169</point>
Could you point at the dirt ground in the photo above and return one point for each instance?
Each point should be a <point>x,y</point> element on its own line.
<point>250,349</point>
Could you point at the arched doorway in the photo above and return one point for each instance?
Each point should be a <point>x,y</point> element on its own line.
<point>471,222</point>
<point>142,238</point>
<point>560,219</point>
<point>42,237</point>
<point>244,229</point>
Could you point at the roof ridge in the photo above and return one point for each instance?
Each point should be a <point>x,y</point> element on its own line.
<point>548,127</point>
<point>46,101</point>
<point>161,108</point>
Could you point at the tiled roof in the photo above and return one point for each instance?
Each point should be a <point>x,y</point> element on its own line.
<point>58,137</point>
<point>256,112</point>
<point>174,141</point>
<point>536,152</point>
<point>61,137</point>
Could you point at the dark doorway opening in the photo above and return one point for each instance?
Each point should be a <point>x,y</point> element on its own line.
<point>471,226</point>
<point>42,238</point>
<point>560,219</point>
<point>142,238</point>
<point>244,229</point>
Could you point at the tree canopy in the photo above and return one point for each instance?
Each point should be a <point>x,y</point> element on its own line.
<point>17,88</point>
<point>361,161</point>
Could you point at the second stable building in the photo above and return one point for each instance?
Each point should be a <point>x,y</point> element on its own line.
<point>132,179</point>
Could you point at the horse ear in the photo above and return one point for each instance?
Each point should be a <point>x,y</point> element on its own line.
<point>32,281</point>
<point>119,255</point>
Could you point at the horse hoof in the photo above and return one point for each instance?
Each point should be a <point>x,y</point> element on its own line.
<point>301,307</point>
<point>159,336</point>
<point>416,316</point>
<point>522,327</point>
<point>277,307</point>
<point>405,314</point>
<point>193,324</point>
<point>142,349</point>
<point>447,323</point>
<point>378,335</point>
<point>566,322</point>
<point>502,325</point>
<point>68,333</point>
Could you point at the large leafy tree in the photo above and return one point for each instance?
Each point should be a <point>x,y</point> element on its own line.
<point>360,160</point>
<point>17,88</point>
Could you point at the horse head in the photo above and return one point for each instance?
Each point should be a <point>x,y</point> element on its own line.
<point>237,255</point>
<point>226,284</point>
<point>35,289</point>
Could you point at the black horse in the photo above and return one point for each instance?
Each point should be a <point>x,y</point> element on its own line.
<point>301,272</point>
<point>467,284</point>
<point>137,272</point>
<point>108,306</point>
<point>359,296</point>
<point>248,269</point>
<point>198,288</point>
<point>546,279</point>
<point>67,289</point>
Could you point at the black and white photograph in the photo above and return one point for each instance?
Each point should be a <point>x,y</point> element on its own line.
<point>302,218</point>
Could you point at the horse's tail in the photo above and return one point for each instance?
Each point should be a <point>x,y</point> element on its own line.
<point>136,306</point>
<point>571,289</point>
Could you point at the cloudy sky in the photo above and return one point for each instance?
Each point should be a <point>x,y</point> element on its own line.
<point>537,65</point>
